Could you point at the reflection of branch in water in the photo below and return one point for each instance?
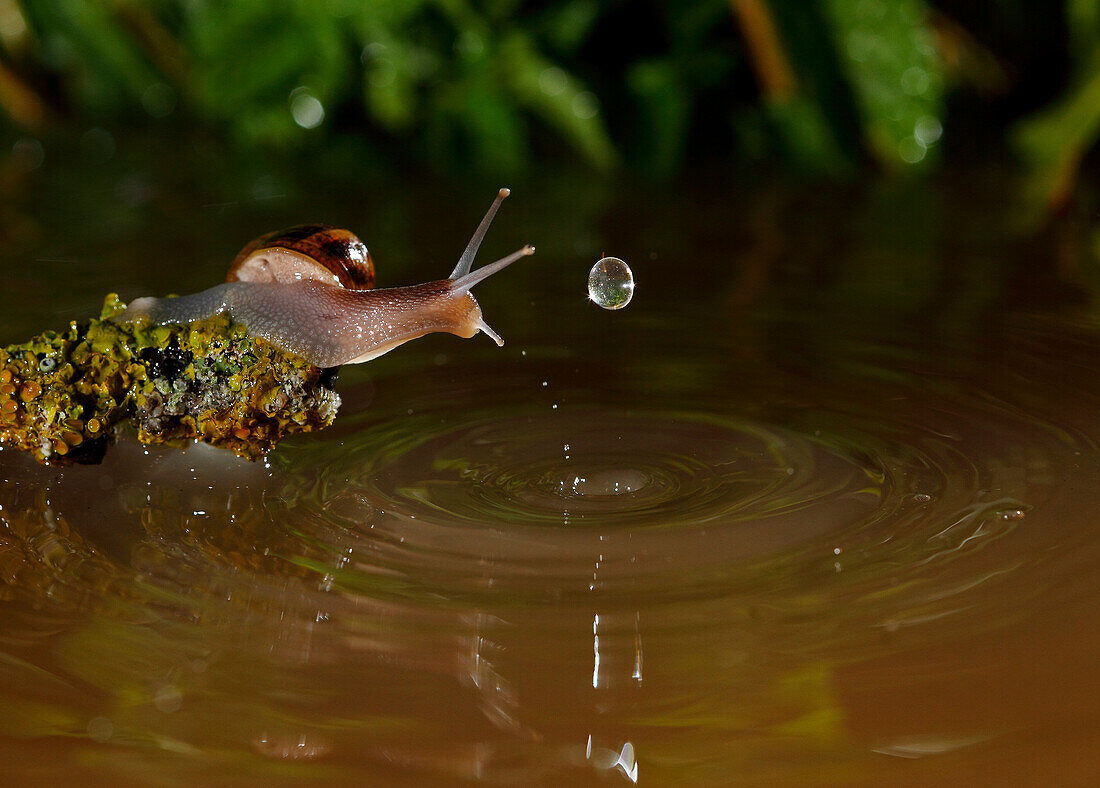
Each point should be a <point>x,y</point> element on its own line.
<point>42,555</point>
<point>176,602</point>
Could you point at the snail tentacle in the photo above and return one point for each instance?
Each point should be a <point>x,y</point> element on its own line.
<point>464,283</point>
<point>466,261</point>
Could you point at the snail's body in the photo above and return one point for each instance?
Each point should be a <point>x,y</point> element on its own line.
<point>295,291</point>
<point>326,325</point>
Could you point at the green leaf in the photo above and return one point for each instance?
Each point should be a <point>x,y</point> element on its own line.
<point>251,55</point>
<point>493,137</point>
<point>566,26</point>
<point>565,105</point>
<point>887,51</point>
<point>1052,143</point>
<point>816,128</point>
<point>389,89</point>
<point>665,108</point>
<point>805,136</point>
<point>99,46</point>
<point>1083,24</point>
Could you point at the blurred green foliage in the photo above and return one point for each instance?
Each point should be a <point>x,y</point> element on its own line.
<point>489,87</point>
<point>1054,141</point>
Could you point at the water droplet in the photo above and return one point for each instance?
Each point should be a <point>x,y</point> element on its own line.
<point>927,130</point>
<point>553,81</point>
<point>168,699</point>
<point>610,482</point>
<point>469,45</point>
<point>611,283</point>
<point>911,150</point>
<point>306,108</point>
<point>28,153</point>
<point>98,145</point>
<point>100,729</point>
<point>915,81</point>
<point>159,99</point>
<point>585,105</point>
<point>288,747</point>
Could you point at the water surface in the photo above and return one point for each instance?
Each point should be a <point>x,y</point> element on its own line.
<point>818,506</point>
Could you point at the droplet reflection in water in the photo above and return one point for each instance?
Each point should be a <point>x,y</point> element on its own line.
<point>611,283</point>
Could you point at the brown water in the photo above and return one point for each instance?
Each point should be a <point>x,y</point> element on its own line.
<point>820,506</point>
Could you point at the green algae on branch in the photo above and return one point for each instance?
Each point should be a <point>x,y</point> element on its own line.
<point>62,395</point>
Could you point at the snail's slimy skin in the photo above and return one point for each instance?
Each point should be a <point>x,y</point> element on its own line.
<point>306,290</point>
<point>326,325</point>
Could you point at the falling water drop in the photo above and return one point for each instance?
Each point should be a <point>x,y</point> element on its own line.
<point>611,283</point>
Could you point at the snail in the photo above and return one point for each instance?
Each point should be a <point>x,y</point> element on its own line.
<point>308,291</point>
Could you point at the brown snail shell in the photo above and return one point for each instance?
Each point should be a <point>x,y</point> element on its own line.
<point>315,252</point>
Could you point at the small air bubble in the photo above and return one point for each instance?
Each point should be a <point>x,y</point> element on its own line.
<point>28,153</point>
<point>100,729</point>
<point>159,99</point>
<point>911,150</point>
<point>306,108</point>
<point>168,699</point>
<point>611,283</point>
<point>98,145</point>
<point>928,130</point>
<point>553,81</point>
<point>469,45</point>
<point>915,81</point>
<point>585,105</point>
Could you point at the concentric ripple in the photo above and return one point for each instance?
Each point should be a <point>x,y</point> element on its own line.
<point>610,470</point>
<point>672,492</point>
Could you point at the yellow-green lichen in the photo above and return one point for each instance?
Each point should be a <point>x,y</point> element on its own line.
<point>63,393</point>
